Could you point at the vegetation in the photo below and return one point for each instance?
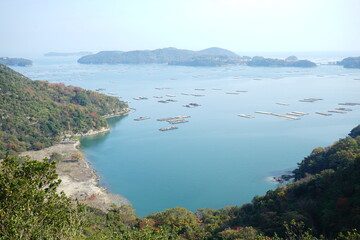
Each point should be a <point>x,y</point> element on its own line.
<point>30,207</point>
<point>350,62</point>
<point>322,203</point>
<point>164,55</point>
<point>36,114</point>
<point>208,61</point>
<point>22,62</point>
<point>355,132</point>
<point>289,62</point>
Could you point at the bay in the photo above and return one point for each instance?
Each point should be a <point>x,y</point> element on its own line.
<point>217,158</point>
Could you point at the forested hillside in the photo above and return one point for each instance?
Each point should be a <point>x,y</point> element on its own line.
<point>36,114</point>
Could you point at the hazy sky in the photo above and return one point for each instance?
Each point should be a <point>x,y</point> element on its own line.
<point>39,26</point>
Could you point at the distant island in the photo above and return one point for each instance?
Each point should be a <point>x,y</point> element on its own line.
<point>22,62</point>
<point>173,56</point>
<point>350,62</point>
<point>291,61</point>
<point>64,54</point>
<point>210,57</point>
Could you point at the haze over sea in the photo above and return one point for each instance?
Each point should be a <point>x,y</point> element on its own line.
<point>217,158</point>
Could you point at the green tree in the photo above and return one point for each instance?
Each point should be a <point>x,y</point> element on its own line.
<point>56,157</point>
<point>30,207</point>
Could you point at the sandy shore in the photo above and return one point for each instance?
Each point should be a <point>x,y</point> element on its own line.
<point>79,180</point>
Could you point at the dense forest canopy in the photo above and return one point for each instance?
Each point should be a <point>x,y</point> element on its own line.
<point>36,114</point>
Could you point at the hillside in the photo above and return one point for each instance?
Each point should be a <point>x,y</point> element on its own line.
<point>325,202</point>
<point>22,62</point>
<point>325,196</point>
<point>164,55</point>
<point>350,62</point>
<point>36,114</point>
<point>291,61</point>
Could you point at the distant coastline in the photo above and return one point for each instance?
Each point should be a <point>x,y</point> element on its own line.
<point>210,57</point>
<point>65,54</point>
<point>22,62</point>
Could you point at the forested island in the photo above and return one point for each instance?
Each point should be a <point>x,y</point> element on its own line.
<point>350,62</point>
<point>66,54</point>
<point>22,62</point>
<point>291,61</point>
<point>164,55</point>
<point>210,57</point>
<point>37,114</point>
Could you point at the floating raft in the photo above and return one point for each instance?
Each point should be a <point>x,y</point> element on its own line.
<point>140,98</point>
<point>344,109</point>
<point>168,128</point>
<point>337,111</point>
<point>349,104</point>
<point>283,116</point>
<point>141,118</point>
<point>192,105</point>
<point>246,116</point>
<point>310,99</point>
<point>282,103</point>
<point>262,112</point>
<point>175,120</point>
<point>324,114</point>
<point>298,114</point>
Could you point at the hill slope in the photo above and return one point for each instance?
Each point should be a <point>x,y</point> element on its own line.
<point>163,55</point>
<point>35,114</point>
<point>22,62</point>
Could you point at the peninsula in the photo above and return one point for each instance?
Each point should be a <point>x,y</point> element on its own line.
<point>22,62</point>
<point>44,120</point>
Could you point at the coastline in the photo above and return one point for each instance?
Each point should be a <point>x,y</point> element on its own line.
<point>79,180</point>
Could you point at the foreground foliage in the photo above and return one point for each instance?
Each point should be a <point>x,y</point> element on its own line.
<point>30,208</point>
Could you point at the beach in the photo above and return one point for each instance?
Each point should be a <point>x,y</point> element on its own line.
<point>78,180</point>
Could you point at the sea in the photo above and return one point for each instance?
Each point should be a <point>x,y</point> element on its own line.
<point>217,158</point>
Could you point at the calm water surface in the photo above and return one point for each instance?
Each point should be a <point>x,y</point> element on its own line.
<point>217,158</point>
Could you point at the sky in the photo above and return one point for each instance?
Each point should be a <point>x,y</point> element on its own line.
<point>31,27</point>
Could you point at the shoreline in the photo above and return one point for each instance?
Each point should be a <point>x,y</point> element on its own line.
<point>79,180</point>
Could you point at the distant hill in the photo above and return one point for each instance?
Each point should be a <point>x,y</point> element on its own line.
<point>350,62</point>
<point>22,62</point>
<point>163,55</point>
<point>36,114</point>
<point>215,51</point>
<point>64,54</point>
<point>291,61</point>
<point>208,61</point>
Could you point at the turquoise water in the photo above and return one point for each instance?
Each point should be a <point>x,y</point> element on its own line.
<point>217,158</point>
